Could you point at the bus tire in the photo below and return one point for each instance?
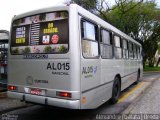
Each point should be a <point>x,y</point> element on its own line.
<point>115,90</point>
<point>138,77</point>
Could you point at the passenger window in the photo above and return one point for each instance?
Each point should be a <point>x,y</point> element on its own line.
<point>125,49</point>
<point>89,30</point>
<point>117,48</point>
<point>106,38</point>
<point>117,41</point>
<point>89,39</point>
<point>106,46</point>
<point>138,52</point>
<point>135,51</point>
<point>130,50</point>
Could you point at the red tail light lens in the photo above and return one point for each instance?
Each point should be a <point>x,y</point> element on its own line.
<point>64,94</point>
<point>11,88</point>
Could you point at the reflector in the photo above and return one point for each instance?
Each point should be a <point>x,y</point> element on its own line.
<point>64,94</point>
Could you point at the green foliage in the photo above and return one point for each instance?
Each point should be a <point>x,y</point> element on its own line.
<point>151,44</point>
<point>27,50</point>
<point>62,49</point>
<point>159,49</point>
<point>87,4</point>
<point>138,18</point>
<point>47,49</point>
<point>131,17</point>
<point>149,69</point>
<point>16,51</point>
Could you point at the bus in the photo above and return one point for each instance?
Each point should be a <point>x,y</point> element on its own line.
<point>65,56</point>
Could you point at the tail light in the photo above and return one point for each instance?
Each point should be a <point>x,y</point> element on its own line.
<point>64,94</point>
<point>12,88</point>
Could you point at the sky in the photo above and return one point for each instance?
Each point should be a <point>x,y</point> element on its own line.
<point>9,8</point>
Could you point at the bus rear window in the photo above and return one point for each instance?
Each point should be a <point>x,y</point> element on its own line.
<point>43,33</point>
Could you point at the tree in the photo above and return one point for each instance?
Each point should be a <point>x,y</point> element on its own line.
<point>87,4</point>
<point>152,43</point>
<point>140,20</point>
<point>158,61</point>
<point>137,18</point>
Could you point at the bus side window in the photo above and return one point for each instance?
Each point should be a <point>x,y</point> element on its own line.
<point>125,49</point>
<point>89,34</point>
<point>117,47</point>
<point>106,44</point>
<point>138,52</point>
<point>131,50</point>
<point>135,51</point>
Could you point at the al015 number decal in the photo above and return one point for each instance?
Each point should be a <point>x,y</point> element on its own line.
<point>58,66</point>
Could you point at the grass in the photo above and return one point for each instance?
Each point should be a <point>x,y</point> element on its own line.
<point>147,69</point>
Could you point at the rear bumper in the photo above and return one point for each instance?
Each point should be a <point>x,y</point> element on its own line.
<point>71,104</point>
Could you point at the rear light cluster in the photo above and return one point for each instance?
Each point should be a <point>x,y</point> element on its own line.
<point>64,94</point>
<point>12,88</point>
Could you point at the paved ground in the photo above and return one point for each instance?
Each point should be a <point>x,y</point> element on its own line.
<point>10,104</point>
<point>7,104</point>
<point>149,103</point>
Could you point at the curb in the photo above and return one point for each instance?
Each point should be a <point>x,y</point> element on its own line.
<point>136,98</point>
<point>147,72</point>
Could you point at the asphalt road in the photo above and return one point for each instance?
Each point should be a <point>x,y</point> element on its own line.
<point>37,112</point>
<point>149,102</point>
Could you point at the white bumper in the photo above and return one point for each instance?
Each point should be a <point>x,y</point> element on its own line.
<point>71,104</point>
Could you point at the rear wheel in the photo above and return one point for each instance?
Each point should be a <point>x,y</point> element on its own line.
<point>115,90</point>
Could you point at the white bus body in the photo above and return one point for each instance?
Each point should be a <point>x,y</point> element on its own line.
<point>79,75</point>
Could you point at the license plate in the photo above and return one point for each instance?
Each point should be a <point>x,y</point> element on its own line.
<point>37,91</point>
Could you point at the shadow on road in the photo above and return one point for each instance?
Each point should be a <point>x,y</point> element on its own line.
<point>52,113</point>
